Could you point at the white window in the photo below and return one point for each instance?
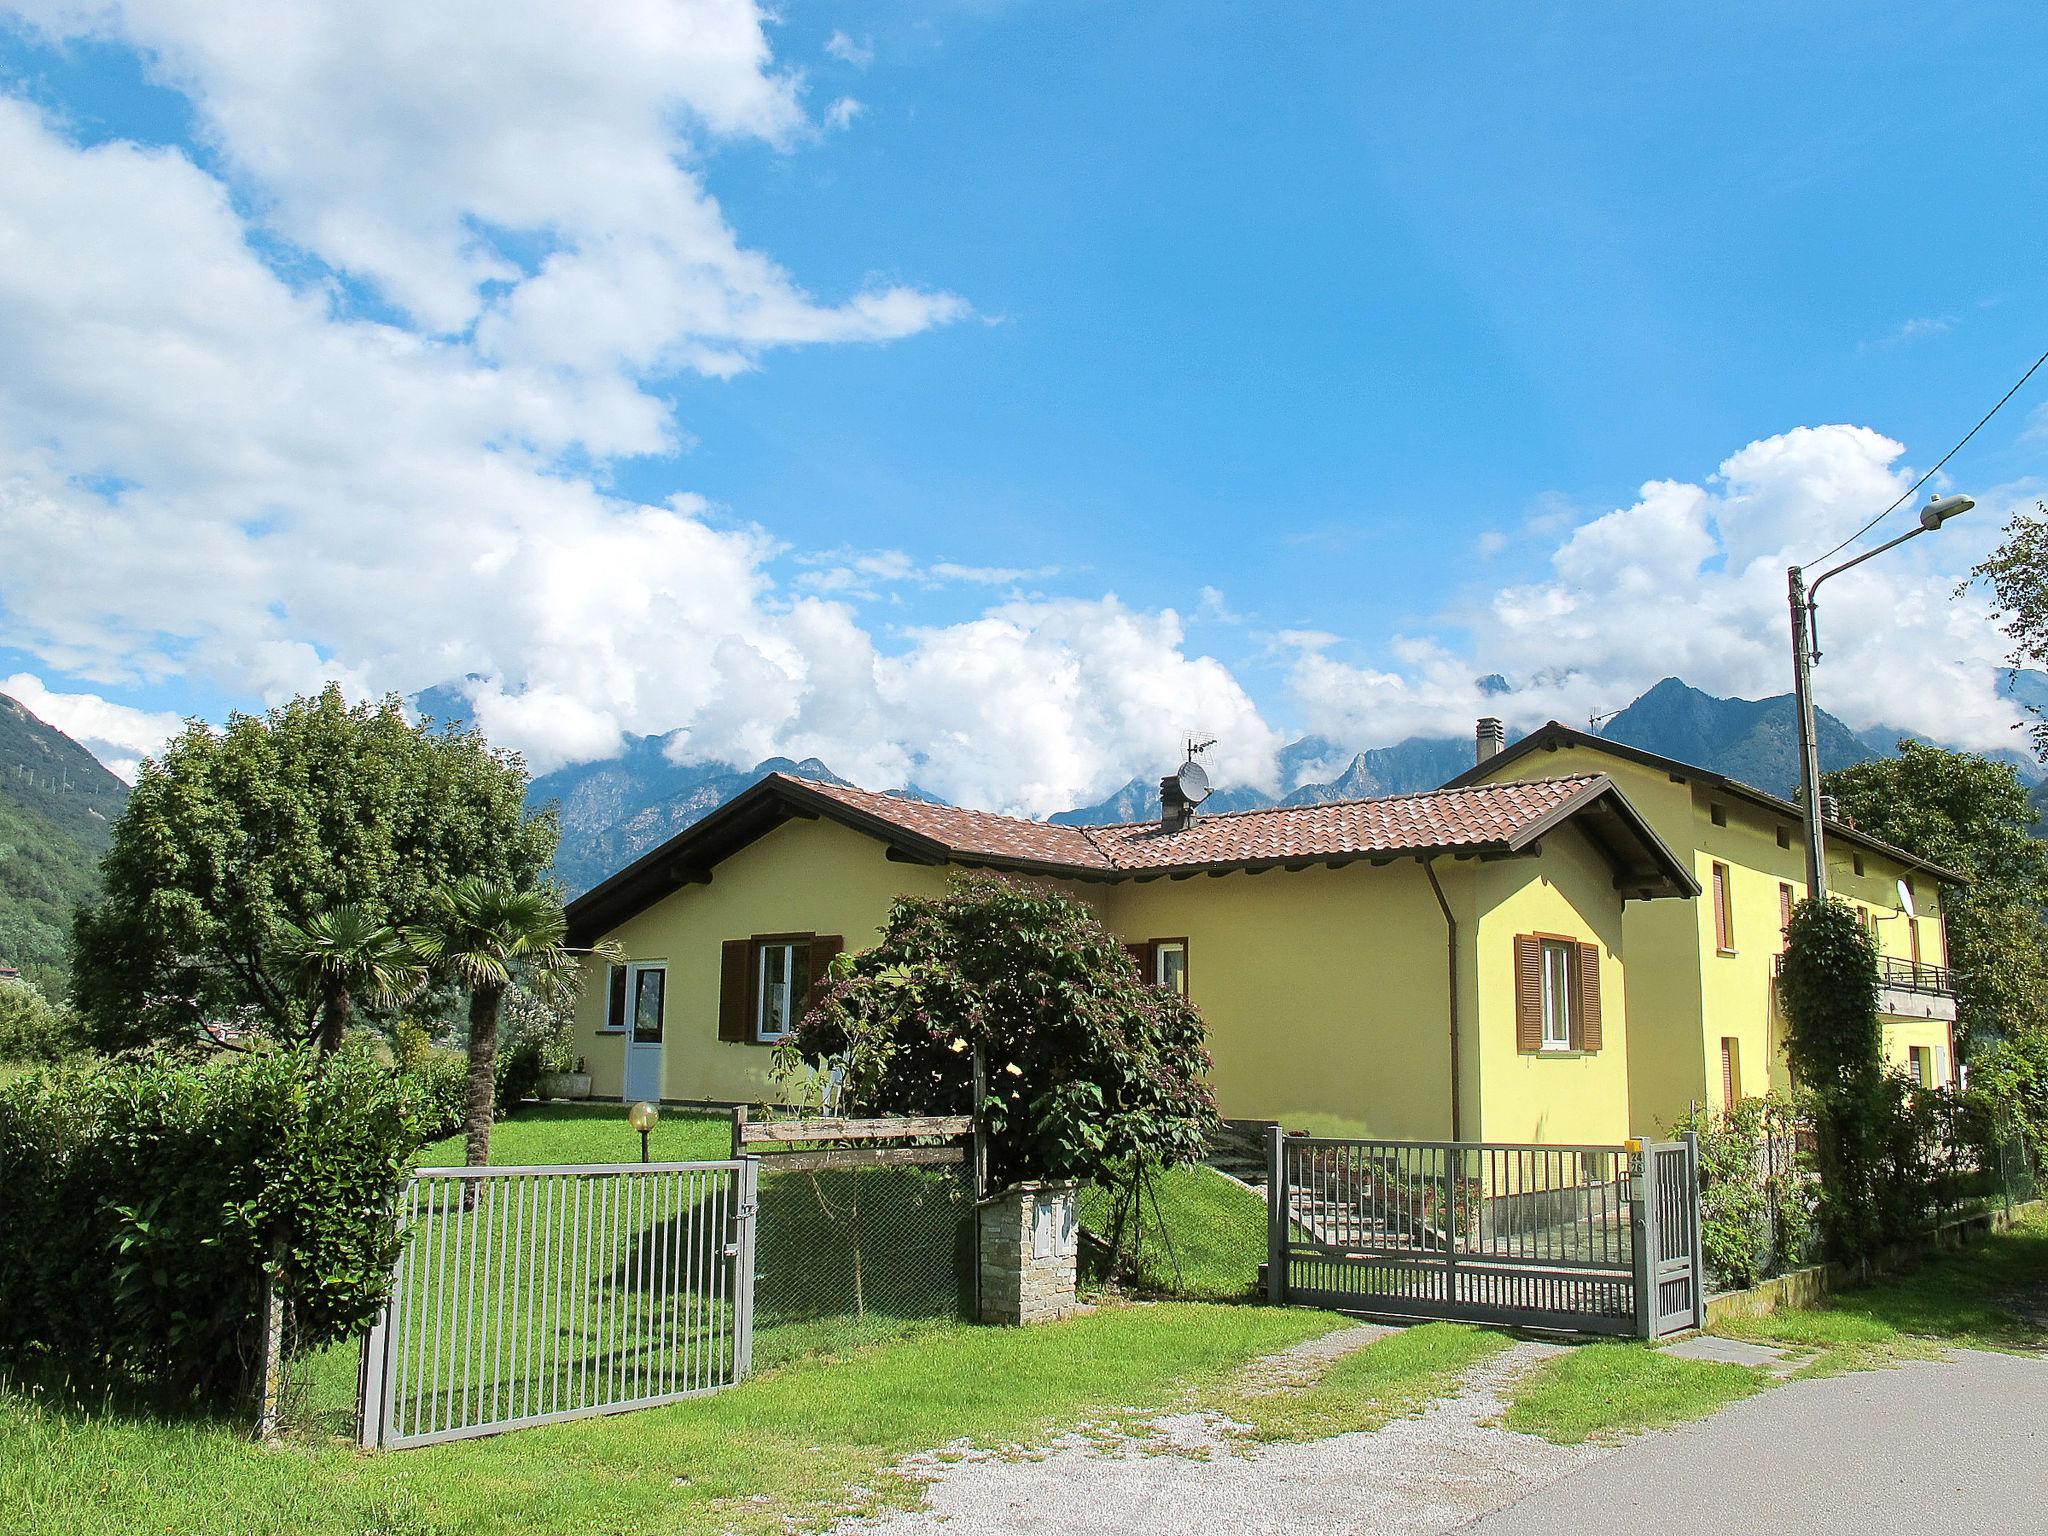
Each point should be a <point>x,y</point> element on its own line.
<point>1170,965</point>
<point>1560,961</point>
<point>781,985</point>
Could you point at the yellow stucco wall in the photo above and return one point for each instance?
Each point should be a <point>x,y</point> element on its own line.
<point>1550,1096</point>
<point>805,876</point>
<point>1324,990</point>
<point>1685,995</point>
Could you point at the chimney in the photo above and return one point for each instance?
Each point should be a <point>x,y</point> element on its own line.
<point>1830,808</point>
<point>1176,810</point>
<point>1493,737</point>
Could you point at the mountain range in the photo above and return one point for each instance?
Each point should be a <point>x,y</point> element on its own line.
<point>57,810</point>
<point>57,803</point>
<point>614,811</point>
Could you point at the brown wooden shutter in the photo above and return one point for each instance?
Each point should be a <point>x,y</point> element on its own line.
<point>1723,938</point>
<point>615,999</point>
<point>1589,998</point>
<point>1784,908</point>
<point>823,947</point>
<point>1528,992</point>
<point>1141,957</point>
<point>735,985</point>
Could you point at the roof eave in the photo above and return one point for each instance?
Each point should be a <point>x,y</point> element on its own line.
<point>1555,734</point>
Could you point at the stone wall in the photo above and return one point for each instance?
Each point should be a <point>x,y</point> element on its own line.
<point>1030,1236</point>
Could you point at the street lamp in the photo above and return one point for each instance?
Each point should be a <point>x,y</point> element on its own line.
<point>643,1117</point>
<point>1806,651</point>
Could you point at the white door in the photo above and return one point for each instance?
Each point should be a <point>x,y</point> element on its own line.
<point>646,997</point>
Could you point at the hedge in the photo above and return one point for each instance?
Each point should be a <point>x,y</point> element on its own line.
<point>155,1192</point>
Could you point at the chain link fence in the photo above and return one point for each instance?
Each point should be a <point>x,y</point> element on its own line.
<point>847,1257</point>
<point>1189,1233</point>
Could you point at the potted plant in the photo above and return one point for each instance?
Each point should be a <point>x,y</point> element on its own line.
<point>572,1082</point>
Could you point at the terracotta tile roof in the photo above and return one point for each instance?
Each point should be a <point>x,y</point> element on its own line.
<point>977,834</point>
<point>1481,816</point>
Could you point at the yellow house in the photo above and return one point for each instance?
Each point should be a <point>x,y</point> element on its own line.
<point>1448,964</point>
<point>1704,1023</point>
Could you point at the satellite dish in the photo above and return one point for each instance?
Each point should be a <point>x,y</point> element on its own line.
<point>1906,899</point>
<point>1194,783</point>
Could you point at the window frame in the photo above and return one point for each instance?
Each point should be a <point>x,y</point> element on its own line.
<point>617,999</point>
<point>1550,1042</point>
<point>1723,881</point>
<point>796,984</point>
<point>637,973</point>
<point>1160,949</point>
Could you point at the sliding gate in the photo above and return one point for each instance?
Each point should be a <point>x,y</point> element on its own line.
<point>529,1295</point>
<point>1595,1240</point>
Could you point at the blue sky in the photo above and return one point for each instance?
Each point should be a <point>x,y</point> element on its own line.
<point>1354,353</point>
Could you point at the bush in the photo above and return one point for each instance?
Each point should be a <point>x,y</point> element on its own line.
<point>1091,1073</point>
<point>438,1083</point>
<point>32,1028</point>
<point>1755,1217</point>
<point>157,1193</point>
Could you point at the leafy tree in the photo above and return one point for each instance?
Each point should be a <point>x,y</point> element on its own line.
<point>1835,1046</point>
<point>485,936</point>
<point>32,1028</point>
<point>1091,1073</point>
<point>313,805</point>
<point>342,956</point>
<point>2018,575</point>
<point>1972,815</point>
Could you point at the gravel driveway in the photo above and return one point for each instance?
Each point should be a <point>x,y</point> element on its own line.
<point>1436,1472</point>
<point>1958,1442</point>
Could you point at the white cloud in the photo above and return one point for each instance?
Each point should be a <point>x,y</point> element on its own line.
<point>1689,580</point>
<point>860,54</point>
<point>842,112</point>
<point>531,172</point>
<point>204,473</point>
<point>1919,328</point>
<point>119,735</point>
<point>1489,543</point>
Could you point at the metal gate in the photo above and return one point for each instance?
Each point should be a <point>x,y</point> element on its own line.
<point>1581,1239</point>
<point>530,1295</point>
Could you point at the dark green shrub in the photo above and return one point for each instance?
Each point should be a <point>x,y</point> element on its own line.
<point>157,1192</point>
<point>1835,1046</point>
<point>1755,1218</point>
<point>438,1082</point>
<point>1091,1073</point>
<point>32,1028</point>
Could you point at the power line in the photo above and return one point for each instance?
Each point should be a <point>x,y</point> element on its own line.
<point>1888,511</point>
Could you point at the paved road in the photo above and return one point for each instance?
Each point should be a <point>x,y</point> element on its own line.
<point>1956,1446</point>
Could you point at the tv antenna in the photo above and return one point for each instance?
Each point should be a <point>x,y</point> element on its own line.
<point>1193,777</point>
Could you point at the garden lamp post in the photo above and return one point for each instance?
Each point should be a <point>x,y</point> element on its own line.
<point>1806,651</point>
<point>643,1117</point>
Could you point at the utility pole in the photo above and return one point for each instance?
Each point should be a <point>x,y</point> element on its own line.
<point>1809,749</point>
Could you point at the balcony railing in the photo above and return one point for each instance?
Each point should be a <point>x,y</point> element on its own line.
<point>1899,975</point>
<point>1912,976</point>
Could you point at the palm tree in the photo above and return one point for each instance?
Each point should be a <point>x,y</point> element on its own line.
<point>341,955</point>
<point>484,936</point>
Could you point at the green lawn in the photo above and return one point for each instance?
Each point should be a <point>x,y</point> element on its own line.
<point>790,1447</point>
<point>1390,1378</point>
<point>1597,1391</point>
<point>1216,1228</point>
<point>1991,1295</point>
<point>592,1133</point>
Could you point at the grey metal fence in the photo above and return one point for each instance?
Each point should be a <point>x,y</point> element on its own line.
<point>1544,1236</point>
<point>530,1295</point>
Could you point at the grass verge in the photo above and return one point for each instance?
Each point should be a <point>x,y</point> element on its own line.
<point>1391,1378</point>
<point>1601,1391</point>
<point>1216,1229</point>
<point>1993,1295</point>
<point>791,1448</point>
<point>591,1133</point>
